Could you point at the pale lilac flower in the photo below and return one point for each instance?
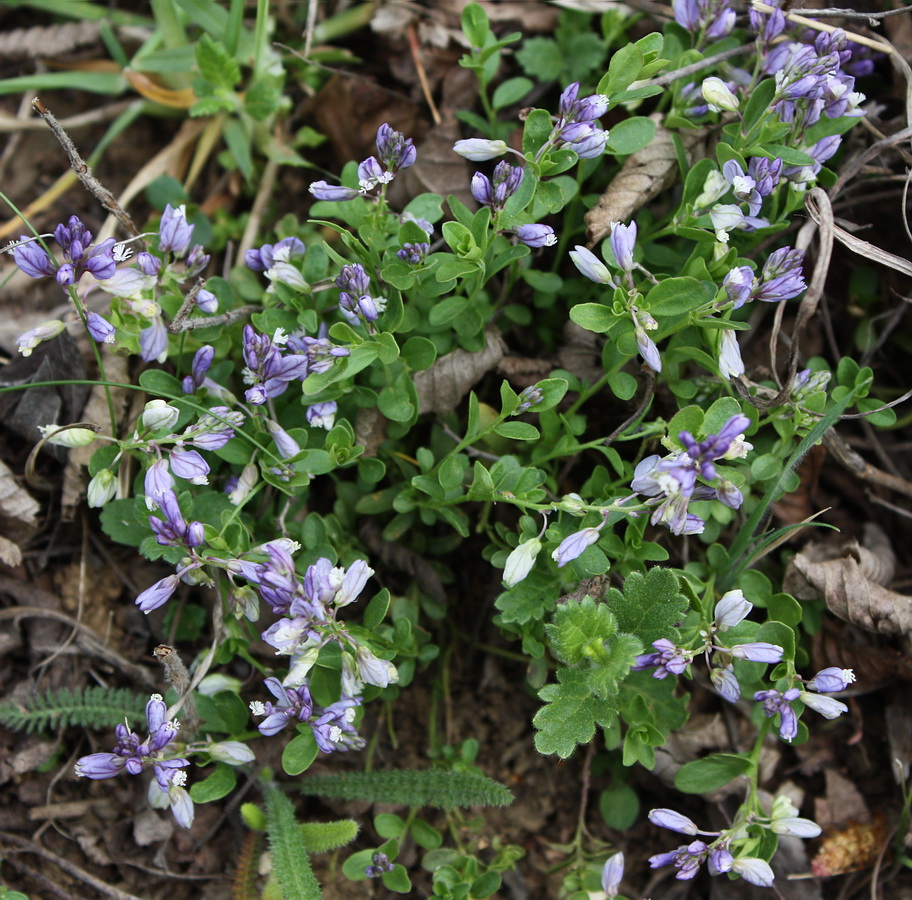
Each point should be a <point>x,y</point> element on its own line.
<point>394,149</point>
<point>719,861</point>
<point>81,256</point>
<point>825,706</point>
<point>731,610</point>
<point>293,703</point>
<point>148,264</point>
<point>743,186</point>
<point>190,465</point>
<point>623,238</point>
<point>726,683</point>
<point>158,415</point>
<point>590,265</point>
<point>380,863</point>
<point>479,150</point>
<point>773,702</point>
<point>646,347</point>
<point>285,443</point>
<point>157,595</point>
<point>528,397</point>
<point>612,873</point>
<point>131,284</point>
<point>754,871</point>
<point>737,284</point>
<point>235,753</point>
<point>831,680</point>
<point>174,231</point>
<point>375,671</point>
<point>687,859</point>
<point>495,192</point>
<point>757,651</point>
<point>267,255</point>
<point>521,561</point>
<point>268,370</point>
<point>731,365</point>
<point>213,430</point>
<point>158,481</point>
<point>153,341</point>
<point>322,190</point>
<point>573,546</point>
<point>28,341</point>
<point>101,489</point>
<point>577,127</point>
<point>202,360</point>
<point>535,236</point>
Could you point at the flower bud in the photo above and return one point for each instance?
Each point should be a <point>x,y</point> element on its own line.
<point>731,609</point>
<point>521,561</point>
<point>234,753</point>
<point>478,149</point>
<point>69,437</point>
<point>101,488</point>
<point>159,416</point>
<point>713,188</point>
<point>34,336</point>
<point>718,95</point>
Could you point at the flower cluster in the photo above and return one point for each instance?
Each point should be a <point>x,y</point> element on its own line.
<point>672,479</point>
<point>269,369</point>
<point>577,127</point>
<point>713,19</point>
<point>133,756</point>
<point>827,681</point>
<point>355,301</point>
<point>394,152</point>
<point>275,261</point>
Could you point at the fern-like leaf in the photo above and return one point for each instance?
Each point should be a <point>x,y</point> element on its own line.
<point>290,863</point>
<point>321,837</point>
<point>92,707</point>
<point>431,787</point>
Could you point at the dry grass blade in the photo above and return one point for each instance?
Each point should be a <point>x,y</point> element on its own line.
<point>47,40</point>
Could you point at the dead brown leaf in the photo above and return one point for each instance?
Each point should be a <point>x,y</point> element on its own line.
<point>644,175</point>
<point>441,387</point>
<point>848,584</point>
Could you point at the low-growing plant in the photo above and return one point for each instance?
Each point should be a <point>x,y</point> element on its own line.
<point>323,418</point>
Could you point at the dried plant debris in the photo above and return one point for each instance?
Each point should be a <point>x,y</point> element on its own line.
<point>850,579</point>
<point>441,387</point>
<point>644,175</point>
<point>48,41</point>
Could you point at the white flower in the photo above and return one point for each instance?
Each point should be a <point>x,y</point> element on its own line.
<point>520,562</point>
<point>718,95</point>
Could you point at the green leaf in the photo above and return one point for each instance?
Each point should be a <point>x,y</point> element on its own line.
<point>376,609</point>
<point>475,25</point>
<point>161,384</point>
<point>290,862</point>
<point>511,91</point>
<point>579,626</point>
<point>219,784</point>
<point>238,142</point>
<point>650,605</point>
<point>119,522</point>
<point>593,317</point>
<point>537,129</point>
<point>299,753</point>
<point>758,106</point>
<point>426,836</point>
<point>631,135</point>
<point>570,714</point>
<point>710,773</point>
<point>622,71</point>
<point>674,297</point>
<point>215,64</point>
<point>419,353</point>
<point>397,880</point>
<point>389,825</point>
<point>518,431</point>
<point>542,58</point>
<point>719,413</point>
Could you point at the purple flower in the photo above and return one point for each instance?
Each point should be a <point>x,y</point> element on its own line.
<point>495,192</point>
<point>831,680</point>
<point>268,254</point>
<point>668,660</point>
<point>782,276</point>
<point>197,260</point>
<point>322,415</point>
<point>379,864</point>
<point>172,530</point>
<point>32,258</point>
<point>535,235</point>
<point>394,149</point>
<point>686,859</point>
<point>577,127</point>
<point>158,481</point>
<point>268,371</point>
<point>645,345</point>
<point>132,755</point>
<point>731,365</point>
<point>737,284</point>
<point>157,595</point>
<point>148,264</point>
<point>414,254</point>
<point>174,231</point>
<point>743,186</point>
<point>320,352</point>
<point>202,360</point>
<point>773,702</point>
<point>213,430</point>
<point>322,190</point>
<point>528,397</point>
<point>190,465</point>
<point>293,703</point>
<point>99,328</point>
<point>766,173</point>
<point>334,729</point>
<point>206,301</point>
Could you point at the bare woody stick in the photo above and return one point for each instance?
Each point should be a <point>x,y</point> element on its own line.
<point>182,323</point>
<point>84,173</point>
